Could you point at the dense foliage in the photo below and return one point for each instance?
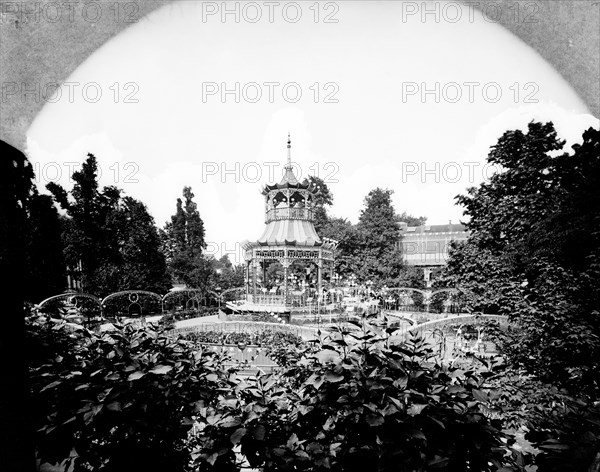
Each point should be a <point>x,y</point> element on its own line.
<point>42,268</point>
<point>534,253</point>
<point>134,398</point>
<point>259,338</point>
<point>46,271</point>
<point>370,250</point>
<point>110,242</point>
<point>121,399</point>
<point>183,243</point>
<point>322,200</point>
<point>15,189</point>
<point>362,402</point>
<point>227,276</point>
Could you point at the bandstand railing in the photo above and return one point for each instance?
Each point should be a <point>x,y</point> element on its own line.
<point>276,300</point>
<point>289,213</point>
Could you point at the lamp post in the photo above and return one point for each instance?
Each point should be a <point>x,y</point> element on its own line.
<point>218,290</point>
<point>352,284</point>
<point>447,305</point>
<point>264,291</point>
<point>242,347</point>
<point>292,281</point>
<point>304,286</point>
<point>218,271</point>
<point>336,282</point>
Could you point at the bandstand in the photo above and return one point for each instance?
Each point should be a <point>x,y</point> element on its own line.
<point>289,266</point>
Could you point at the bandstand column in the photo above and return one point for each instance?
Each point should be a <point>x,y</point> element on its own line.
<point>248,279</point>
<point>254,275</point>
<point>285,264</point>
<point>319,279</point>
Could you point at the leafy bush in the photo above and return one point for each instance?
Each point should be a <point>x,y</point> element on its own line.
<point>360,402</point>
<point>564,430</point>
<point>120,400</point>
<point>568,441</point>
<point>136,398</point>
<point>533,253</point>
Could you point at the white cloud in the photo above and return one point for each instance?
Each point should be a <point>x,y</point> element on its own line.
<point>368,138</point>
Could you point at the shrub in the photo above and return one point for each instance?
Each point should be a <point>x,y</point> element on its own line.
<point>137,398</point>
<point>120,400</point>
<point>361,402</point>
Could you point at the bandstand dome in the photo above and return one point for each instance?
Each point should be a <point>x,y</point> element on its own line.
<point>289,233</point>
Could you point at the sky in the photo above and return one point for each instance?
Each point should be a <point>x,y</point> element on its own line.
<point>374,94</point>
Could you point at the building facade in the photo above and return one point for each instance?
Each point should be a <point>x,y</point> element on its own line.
<point>427,246</point>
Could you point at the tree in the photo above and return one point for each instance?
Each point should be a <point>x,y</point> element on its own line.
<point>89,236</point>
<point>194,226</point>
<point>16,183</point>
<point>42,272</point>
<point>227,275</point>
<point>363,249</point>
<point>113,238</point>
<point>45,258</point>
<point>183,243</point>
<point>142,263</point>
<point>411,220</point>
<point>379,232</point>
<point>490,285</point>
<point>533,252</point>
<point>321,200</point>
<point>343,231</point>
<point>173,235</point>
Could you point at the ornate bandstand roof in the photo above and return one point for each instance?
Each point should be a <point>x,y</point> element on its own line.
<point>290,233</point>
<point>289,180</point>
<point>289,214</point>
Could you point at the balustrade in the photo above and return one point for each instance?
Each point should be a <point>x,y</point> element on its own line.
<point>289,214</point>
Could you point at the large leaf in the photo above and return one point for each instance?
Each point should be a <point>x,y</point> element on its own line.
<point>237,435</point>
<point>135,375</point>
<point>415,409</point>
<point>480,395</point>
<point>333,377</point>
<point>161,369</point>
<point>56,383</point>
<point>327,355</point>
<point>230,422</point>
<point>374,420</point>
<point>259,432</point>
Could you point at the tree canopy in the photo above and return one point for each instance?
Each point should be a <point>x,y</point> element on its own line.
<point>533,251</point>
<point>370,249</point>
<point>322,200</point>
<point>112,238</point>
<point>183,243</point>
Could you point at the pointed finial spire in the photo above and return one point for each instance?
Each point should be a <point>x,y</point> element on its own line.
<point>288,176</point>
<point>289,151</point>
